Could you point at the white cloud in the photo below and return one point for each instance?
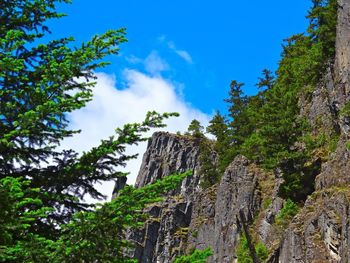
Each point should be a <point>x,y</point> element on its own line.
<point>133,59</point>
<point>185,55</point>
<point>113,106</point>
<point>182,53</point>
<point>155,64</point>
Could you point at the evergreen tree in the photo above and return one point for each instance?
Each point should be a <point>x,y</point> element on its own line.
<point>39,86</point>
<point>195,129</point>
<point>237,113</point>
<point>42,215</point>
<point>267,80</point>
<point>236,100</point>
<point>278,124</point>
<point>219,128</point>
<point>208,171</point>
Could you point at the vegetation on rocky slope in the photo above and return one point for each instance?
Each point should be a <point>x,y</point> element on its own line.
<point>42,215</point>
<point>267,127</point>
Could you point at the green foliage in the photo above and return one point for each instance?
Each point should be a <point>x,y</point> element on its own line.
<point>289,210</point>
<point>267,127</point>
<point>272,122</point>
<point>243,253</point>
<point>347,146</point>
<point>219,128</point>
<point>261,251</point>
<point>345,111</point>
<point>323,22</point>
<point>197,256</point>
<point>299,176</point>
<point>266,203</point>
<point>18,243</point>
<point>267,80</point>
<point>239,122</point>
<point>195,129</point>
<point>99,235</point>
<point>209,173</point>
<point>39,85</point>
<point>42,215</point>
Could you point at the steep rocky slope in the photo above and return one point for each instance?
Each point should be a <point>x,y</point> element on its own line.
<point>320,232</point>
<point>192,217</point>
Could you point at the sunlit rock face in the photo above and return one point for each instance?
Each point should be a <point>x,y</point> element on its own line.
<point>192,217</point>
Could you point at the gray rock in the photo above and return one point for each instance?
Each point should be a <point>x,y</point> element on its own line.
<point>167,154</point>
<point>165,235</point>
<point>237,191</point>
<point>342,59</point>
<point>119,185</point>
<point>320,232</point>
<point>191,217</point>
<point>215,222</point>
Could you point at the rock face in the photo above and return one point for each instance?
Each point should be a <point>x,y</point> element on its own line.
<point>320,232</point>
<point>119,185</point>
<point>342,59</point>
<point>165,233</point>
<point>167,154</point>
<point>215,219</point>
<point>193,217</point>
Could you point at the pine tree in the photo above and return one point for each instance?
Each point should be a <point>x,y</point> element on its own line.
<point>236,100</point>
<point>40,84</point>
<point>267,80</point>
<point>238,118</point>
<point>219,128</point>
<point>41,188</point>
<point>195,129</point>
<point>208,172</point>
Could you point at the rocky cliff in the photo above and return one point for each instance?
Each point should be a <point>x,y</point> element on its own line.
<point>247,196</point>
<point>192,217</point>
<point>320,231</point>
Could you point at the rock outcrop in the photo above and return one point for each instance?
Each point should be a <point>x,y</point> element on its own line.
<point>165,233</point>
<point>320,232</point>
<point>193,217</point>
<point>215,219</point>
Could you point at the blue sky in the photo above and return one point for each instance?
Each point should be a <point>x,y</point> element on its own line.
<point>226,39</point>
<point>181,56</point>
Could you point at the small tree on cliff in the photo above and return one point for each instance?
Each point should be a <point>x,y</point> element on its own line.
<point>195,129</point>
